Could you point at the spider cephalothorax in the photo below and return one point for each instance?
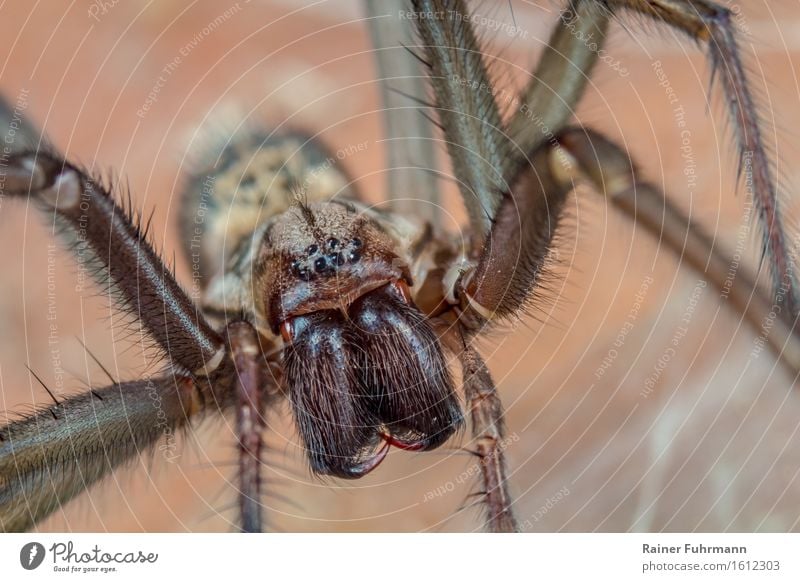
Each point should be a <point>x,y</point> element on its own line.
<point>322,256</point>
<point>361,361</point>
<point>331,278</point>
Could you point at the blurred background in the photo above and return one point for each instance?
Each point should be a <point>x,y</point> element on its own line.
<point>635,400</point>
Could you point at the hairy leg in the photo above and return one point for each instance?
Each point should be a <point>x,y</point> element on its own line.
<point>501,284</point>
<point>119,254</point>
<point>559,81</point>
<point>251,373</point>
<point>488,431</point>
<point>467,111</point>
<point>589,155</point>
<point>709,22</point>
<point>53,455</point>
<point>512,263</point>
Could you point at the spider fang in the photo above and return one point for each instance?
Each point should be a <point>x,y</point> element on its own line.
<point>401,287</point>
<point>287,332</point>
<point>403,444</point>
<point>366,466</point>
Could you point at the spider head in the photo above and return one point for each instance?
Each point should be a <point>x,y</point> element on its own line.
<point>324,256</point>
<point>361,363</point>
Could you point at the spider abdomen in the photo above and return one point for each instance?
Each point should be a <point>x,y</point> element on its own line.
<point>245,180</point>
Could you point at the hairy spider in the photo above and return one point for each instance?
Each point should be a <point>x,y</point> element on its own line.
<point>351,311</point>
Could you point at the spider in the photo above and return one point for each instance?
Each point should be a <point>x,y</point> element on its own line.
<point>348,311</point>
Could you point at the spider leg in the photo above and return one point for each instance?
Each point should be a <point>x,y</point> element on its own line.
<point>488,430</point>
<point>467,111</point>
<point>514,254</point>
<point>500,285</point>
<point>250,370</point>
<point>54,454</point>
<point>409,140</point>
<point>710,22</point>
<point>548,101</point>
<point>49,457</point>
<point>116,250</point>
<point>610,170</point>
